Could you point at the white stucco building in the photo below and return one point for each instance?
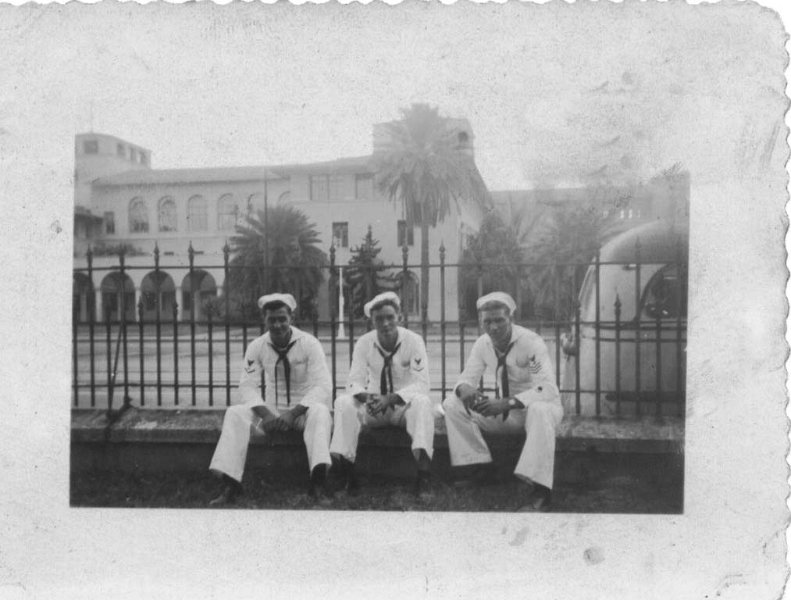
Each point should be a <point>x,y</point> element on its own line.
<point>121,200</point>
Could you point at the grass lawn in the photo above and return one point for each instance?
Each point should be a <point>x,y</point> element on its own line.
<point>613,494</point>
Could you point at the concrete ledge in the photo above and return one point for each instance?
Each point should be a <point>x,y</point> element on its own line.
<point>191,426</point>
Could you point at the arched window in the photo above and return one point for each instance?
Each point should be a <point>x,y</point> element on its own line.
<point>227,213</point>
<point>167,214</point>
<point>196,214</point>
<point>138,216</point>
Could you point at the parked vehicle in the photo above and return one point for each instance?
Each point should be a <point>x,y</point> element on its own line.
<point>626,352</point>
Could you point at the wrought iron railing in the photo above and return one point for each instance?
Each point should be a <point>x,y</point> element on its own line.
<point>620,352</point>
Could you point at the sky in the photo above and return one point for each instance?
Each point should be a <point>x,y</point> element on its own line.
<point>556,94</point>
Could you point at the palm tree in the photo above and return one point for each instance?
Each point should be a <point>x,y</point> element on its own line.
<point>277,253</point>
<point>424,164</point>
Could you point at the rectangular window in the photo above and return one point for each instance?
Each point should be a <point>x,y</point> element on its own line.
<point>109,222</point>
<point>143,158</point>
<point>319,188</point>
<point>121,149</point>
<point>133,154</point>
<point>336,188</point>
<point>340,235</point>
<point>364,186</point>
<point>406,235</point>
<point>90,147</point>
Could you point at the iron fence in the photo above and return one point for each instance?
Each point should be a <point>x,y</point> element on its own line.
<point>621,351</point>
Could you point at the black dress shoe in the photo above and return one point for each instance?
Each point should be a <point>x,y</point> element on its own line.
<point>346,476</point>
<point>423,486</point>
<point>231,489</point>
<point>319,490</point>
<point>540,500</point>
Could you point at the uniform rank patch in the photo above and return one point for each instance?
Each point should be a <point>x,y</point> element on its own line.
<point>250,368</point>
<point>417,364</point>
<point>534,366</point>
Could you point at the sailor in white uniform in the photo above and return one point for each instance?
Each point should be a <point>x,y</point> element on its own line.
<point>296,377</point>
<point>388,385</point>
<point>526,399</point>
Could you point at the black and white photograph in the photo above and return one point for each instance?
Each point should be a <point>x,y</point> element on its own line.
<point>412,300</point>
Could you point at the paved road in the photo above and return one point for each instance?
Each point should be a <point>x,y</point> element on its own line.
<point>215,378</point>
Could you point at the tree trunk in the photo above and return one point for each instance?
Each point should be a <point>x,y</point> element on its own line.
<point>424,261</point>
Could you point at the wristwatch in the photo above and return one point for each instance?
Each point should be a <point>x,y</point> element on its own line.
<point>512,403</point>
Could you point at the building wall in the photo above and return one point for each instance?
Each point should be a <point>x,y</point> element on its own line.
<point>118,199</point>
<point>378,213</point>
<point>105,161</point>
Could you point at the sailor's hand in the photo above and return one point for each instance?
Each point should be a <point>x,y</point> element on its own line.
<point>378,404</point>
<point>491,407</point>
<point>286,421</point>
<point>363,397</point>
<point>468,396</point>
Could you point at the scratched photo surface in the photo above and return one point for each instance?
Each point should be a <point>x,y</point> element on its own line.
<point>617,170</point>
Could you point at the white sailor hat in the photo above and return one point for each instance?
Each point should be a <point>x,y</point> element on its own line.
<point>496,298</point>
<point>286,299</point>
<point>386,297</point>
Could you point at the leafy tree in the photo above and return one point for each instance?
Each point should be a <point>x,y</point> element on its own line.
<point>424,165</point>
<point>280,254</point>
<point>490,262</point>
<point>561,253</point>
<point>366,276</point>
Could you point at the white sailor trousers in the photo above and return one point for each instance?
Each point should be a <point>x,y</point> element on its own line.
<point>231,452</point>
<point>350,416</point>
<point>539,421</point>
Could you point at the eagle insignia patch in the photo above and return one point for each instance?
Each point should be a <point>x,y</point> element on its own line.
<point>417,364</point>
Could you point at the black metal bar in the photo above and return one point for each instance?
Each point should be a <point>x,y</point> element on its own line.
<point>210,344</point>
<point>226,251</point>
<point>424,310</point>
<point>461,344</point>
<point>141,332</point>
<point>351,322</point>
<point>658,325</point>
<point>75,351</point>
<point>332,300</point>
<point>244,337</point>
<point>442,314</point>
<point>123,323</point>
<point>578,339</point>
<point>598,332</point>
<point>176,353</point>
<point>637,331</point>
<point>108,346</point>
<point>91,320</point>
<point>682,274</point>
<point>192,296</point>
<point>556,316</point>
<point>158,323</point>
<point>404,276</point>
<point>617,356</point>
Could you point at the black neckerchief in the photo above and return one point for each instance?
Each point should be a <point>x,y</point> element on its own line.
<point>504,387</point>
<point>386,377</point>
<point>282,356</point>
